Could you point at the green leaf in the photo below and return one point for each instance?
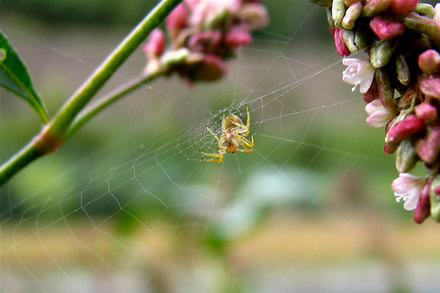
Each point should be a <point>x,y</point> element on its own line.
<point>15,77</point>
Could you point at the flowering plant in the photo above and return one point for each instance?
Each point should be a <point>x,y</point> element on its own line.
<point>203,35</point>
<point>400,83</point>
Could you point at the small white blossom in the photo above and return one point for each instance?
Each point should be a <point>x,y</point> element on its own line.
<point>437,12</point>
<point>359,72</point>
<point>378,115</point>
<point>408,188</point>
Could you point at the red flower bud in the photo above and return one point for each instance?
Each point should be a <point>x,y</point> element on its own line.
<point>429,61</point>
<point>426,111</point>
<point>155,44</point>
<point>176,20</point>
<point>429,147</point>
<point>403,6</point>
<point>372,93</point>
<point>386,27</point>
<point>341,48</point>
<point>403,129</point>
<point>423,209</point>
<point>437,190</point>
<point>430,85</point>
<point>237,38</point>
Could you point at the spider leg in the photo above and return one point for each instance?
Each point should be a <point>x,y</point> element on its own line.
<point>248,145</point>
<point>213,134</point>
<point>244,150</point>
<point>216,158</point>
<point>243,131</point>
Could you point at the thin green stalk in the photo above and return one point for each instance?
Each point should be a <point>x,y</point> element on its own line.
<point>61,122</point>
<point>18,161</point>
<point>109,99</point>
<point>52,135</point>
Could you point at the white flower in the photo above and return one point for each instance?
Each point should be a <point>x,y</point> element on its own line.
<point>359,72</point>
<point>378,115</point>
<point>408,188</point>
<point>437,12</point>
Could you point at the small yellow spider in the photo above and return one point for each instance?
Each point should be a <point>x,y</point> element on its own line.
<point>233,135</point>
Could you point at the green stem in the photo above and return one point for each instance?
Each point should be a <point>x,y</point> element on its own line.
<point>20,160</point>
<point>109,99</point>
<point>52,135</point>
<point>82,96</point>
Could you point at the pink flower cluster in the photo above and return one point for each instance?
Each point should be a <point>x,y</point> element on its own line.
<point>203,34</point>
<point>400,82</point>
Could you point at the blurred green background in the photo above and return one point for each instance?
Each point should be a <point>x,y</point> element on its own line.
<point>126,205</point>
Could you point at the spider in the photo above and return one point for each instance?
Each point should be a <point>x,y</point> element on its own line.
<point>234,133</point>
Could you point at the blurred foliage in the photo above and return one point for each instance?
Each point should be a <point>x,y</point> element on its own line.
<point>122,12</point>
<point>80,11</point>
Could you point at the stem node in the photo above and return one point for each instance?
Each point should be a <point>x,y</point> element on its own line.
<point>46,142</point>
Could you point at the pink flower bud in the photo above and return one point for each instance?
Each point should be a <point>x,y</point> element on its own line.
<point>429,147</point>
<point>429,61</point>
<point>403,6</point>
<point>206,42</point>
<point>192,3</point>
<point>237,38</point>
<point>198,13</point>
<point>338,37</point>
<point>177,20</point>
<point>423,208</point>
<point>386,27</point>
<point>430,85</point>
<point>410,125</point>
<point>437,190</point>
<point>426,111</point>
<point>155,44</point>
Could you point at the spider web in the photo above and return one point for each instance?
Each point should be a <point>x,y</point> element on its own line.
<point>309,209</point>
